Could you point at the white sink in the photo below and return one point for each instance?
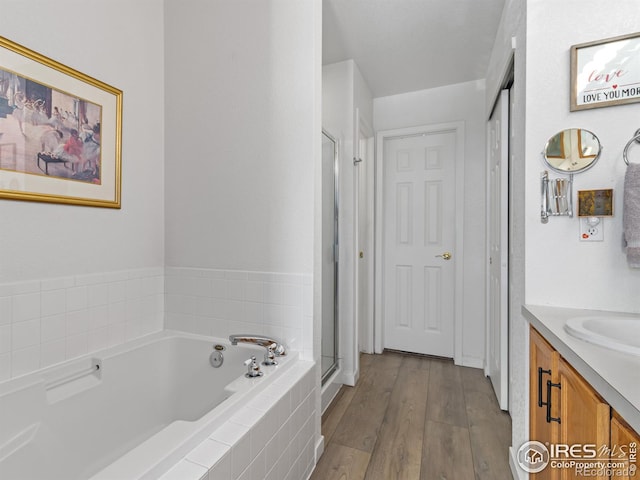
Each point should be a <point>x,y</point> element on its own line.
<point>619,333</point>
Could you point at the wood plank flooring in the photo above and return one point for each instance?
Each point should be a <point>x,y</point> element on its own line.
<point>412,417</point>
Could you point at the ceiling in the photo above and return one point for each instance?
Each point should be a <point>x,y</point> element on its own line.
<point>406,45</point>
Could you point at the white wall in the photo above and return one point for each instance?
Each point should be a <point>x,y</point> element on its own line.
<point>242,139</point>
<point>451,103</point>
<point>240,135</point>
<point>120,43</point>
<point>592,275</point>
<point>242,160</point>
<point>77,279</point>
<point>337,102</point>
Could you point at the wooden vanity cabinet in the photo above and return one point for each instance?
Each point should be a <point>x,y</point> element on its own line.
<point>543,366</point>
<point>584,417</point>
<point>623,435</point>
<point>564,409</point>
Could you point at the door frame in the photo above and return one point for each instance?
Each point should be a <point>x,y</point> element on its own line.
<point>507,83</point>
<point>361,125</point>
<point>381,137</point>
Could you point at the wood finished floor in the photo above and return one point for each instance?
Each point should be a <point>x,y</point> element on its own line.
<point>412,417</point>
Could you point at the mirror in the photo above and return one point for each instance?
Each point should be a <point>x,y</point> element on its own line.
<point>572,150</point>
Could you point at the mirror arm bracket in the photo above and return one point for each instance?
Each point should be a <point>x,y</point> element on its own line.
<point>544,211</point>
<point>556,197</point>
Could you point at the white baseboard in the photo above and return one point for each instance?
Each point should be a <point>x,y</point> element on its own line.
<point>319,448</point>
<point>472,362</point>
<point>516,471</point>
<point>329,392</point>
<point>350,378</point>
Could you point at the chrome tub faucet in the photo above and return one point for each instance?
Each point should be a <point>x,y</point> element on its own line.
<point>272,345</point>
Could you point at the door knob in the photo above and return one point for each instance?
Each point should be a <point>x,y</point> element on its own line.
<point>445,255</point>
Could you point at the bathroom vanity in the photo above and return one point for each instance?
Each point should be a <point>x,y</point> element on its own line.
<point>580,393</point>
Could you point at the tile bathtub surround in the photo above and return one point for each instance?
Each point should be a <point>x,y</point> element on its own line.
<point>48,321</point>
<point>272,437</point>
<point>52,320</point>
<point>222,302</point>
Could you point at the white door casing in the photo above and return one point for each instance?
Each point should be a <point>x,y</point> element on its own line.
<point>419,199</point>
<point>498,245</point>
<point>364,234</point>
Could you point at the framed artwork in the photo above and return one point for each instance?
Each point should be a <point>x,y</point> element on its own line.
<point>605,72</point>
<point>595,203</point>
<point>60,132</point>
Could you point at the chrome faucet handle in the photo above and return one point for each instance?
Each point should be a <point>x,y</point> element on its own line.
<point>270,356</point>
<point>253,368</point>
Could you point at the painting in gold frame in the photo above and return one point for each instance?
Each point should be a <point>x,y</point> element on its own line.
<point>60,132</point>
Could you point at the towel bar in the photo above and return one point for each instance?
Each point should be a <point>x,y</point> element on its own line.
<point>73,376</point>
<point>636,138</point>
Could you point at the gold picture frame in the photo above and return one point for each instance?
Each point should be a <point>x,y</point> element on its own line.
<point>595,203</point>
<point>60,132</point>
<point>605,72</point>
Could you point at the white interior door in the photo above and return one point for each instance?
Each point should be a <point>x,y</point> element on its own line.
<point>498,285</point>
<point>419,219</point>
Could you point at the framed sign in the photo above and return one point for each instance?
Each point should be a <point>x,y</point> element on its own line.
<point>60,132</point>
<point>595,203</point>
<point>605,73</point>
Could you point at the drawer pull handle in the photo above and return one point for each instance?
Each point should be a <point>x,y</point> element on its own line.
<point>549,387</point>
<point>540,372</point>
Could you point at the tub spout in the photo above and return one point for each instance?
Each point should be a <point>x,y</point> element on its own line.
<point>266,342</point>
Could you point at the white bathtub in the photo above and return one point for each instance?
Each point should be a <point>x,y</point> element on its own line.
<point>148,405</point>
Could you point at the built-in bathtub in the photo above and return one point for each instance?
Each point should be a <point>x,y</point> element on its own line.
<point>140,409</point>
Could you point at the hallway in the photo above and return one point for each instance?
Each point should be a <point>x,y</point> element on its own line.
<point>412,417</point>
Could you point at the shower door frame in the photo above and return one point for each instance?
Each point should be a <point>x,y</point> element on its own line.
<point>325,376</point>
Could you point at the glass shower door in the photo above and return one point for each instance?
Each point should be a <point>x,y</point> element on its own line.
<point>329,347</point>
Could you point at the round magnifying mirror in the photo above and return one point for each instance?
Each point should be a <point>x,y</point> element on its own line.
<point>572,150</point>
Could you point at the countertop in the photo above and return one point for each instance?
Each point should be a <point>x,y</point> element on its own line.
<point>614,375</point>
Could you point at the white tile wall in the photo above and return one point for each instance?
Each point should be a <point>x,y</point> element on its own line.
<point>272,437</point>
<point>222,302</point>
<point>52,320</point>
